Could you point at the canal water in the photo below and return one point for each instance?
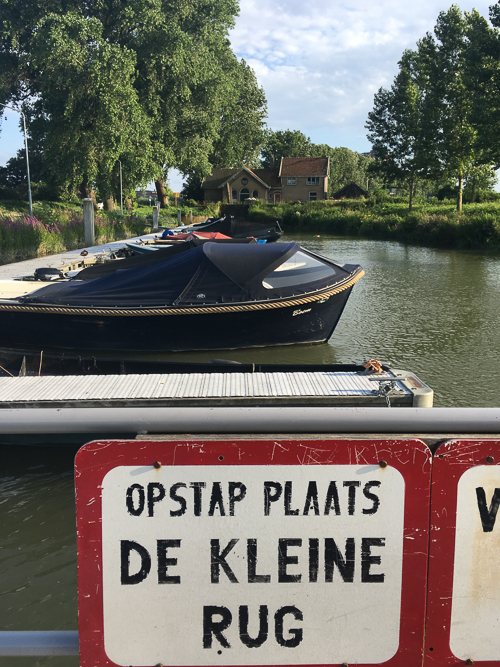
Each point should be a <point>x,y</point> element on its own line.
<point>430,311</point>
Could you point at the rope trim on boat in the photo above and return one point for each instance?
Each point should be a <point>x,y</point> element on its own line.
<point>205,310</point>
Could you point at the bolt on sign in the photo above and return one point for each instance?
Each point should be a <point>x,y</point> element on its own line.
<point>463,623</point>
<point>289,552</point>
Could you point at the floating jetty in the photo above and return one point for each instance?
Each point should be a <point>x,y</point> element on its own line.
<point>71,260</point>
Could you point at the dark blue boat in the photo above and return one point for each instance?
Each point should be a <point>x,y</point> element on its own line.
<point>215,296</point>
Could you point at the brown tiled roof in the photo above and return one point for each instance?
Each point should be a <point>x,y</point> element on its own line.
<point>269,176</point>
<point>304,166</point>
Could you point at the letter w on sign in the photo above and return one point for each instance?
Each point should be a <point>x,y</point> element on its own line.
<point>488,516</point>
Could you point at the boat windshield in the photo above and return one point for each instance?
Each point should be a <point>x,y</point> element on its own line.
<point>297,270</point>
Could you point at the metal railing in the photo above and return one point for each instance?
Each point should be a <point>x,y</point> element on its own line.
<point>38,643</point>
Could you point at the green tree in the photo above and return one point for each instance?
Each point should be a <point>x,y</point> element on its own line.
<point>395,129</point>
<point>451,65</point>
<point>477,178</point>
<point>87,94</point>
<point>284,143</point>
<point>150,83</point>
<point>346,167</point>
<point>242,115</point>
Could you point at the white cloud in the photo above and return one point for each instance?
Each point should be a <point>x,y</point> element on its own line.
<point>321,64</point>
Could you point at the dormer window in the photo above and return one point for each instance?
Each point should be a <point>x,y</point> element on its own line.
<point>313,180</point>
<point>291,180</point>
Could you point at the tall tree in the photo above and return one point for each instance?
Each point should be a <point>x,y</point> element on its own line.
<point>242,114</point>
<point>152,73</point>
<point>87,96</point>
<point>395,128</point>
<point>448,69</point>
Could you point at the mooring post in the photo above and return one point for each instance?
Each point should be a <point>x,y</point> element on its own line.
<point>88,221</point>
<point>190,217</point>
<point>179,223</point>
<point>156,215</point>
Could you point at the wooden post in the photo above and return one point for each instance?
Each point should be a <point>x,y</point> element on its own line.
<point>88,222</point>
<point>156,215</point>
<point>179,223</point>
<point>190,217</point>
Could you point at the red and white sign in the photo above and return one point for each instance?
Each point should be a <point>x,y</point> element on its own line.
<point>463,624</point>
<point>289,552</point>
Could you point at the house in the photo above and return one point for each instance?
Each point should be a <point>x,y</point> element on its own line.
<point>296,179</point>
<point>350,191</point>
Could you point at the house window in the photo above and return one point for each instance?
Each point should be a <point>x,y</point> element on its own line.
<point>244,194</point>
<point>235,196</point>
<point>291,180</point>
<point>313,180</point>
<point>244,181</point>
<point>255,194</point>
<point>313,196</point>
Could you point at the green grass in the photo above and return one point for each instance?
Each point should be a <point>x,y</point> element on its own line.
<point>56,227</point>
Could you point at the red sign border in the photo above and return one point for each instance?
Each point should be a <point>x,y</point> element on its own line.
<point>451,460</point>
<point>408,455</point>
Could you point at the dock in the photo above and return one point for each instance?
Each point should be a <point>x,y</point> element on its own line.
<point>71,260</point>
<point>216,389</point>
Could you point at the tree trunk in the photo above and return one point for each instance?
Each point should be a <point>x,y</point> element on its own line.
<point>88,192</point>
<point>410,207</point>
<point>128,204</point>
<point>161,193</point>
<point>473,193</point>
<point>460,192</point>
<point>109,203</point>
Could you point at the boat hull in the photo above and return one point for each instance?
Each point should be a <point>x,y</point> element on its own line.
<point>231,328</point>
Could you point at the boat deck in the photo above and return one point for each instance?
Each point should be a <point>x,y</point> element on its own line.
<point>293,388</point>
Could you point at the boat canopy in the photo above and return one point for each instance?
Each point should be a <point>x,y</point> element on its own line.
<point>237,227</point>
<point>213,273</point>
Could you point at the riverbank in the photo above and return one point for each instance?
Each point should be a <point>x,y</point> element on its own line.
<point>435,224</point>
<point>56,227</point>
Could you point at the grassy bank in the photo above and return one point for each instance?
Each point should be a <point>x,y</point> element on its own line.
<point>56,228</point>
<point>434,224</point>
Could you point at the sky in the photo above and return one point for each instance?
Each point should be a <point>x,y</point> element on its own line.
<point>320,63</point>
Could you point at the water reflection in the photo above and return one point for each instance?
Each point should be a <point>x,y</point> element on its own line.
<point>38,546</point>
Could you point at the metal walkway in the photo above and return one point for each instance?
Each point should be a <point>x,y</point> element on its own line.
<point>192,388</point>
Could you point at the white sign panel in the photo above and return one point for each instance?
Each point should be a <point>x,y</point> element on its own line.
<point>251,565</point>
<point>475,618</point>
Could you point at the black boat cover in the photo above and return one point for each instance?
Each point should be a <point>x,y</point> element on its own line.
<point>213,273</point>
<point>160,254</point>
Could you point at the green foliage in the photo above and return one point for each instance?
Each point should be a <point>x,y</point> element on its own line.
<point>346,167</point>
<point>441,115</point>
<point>432,224</point>
<point>150,84</point>
<point>191,188</point>
<point>55,229</point>
<point>395,129</point>
<point>284,143</point>
<point>240,133</point>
